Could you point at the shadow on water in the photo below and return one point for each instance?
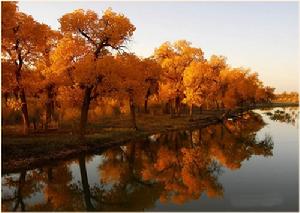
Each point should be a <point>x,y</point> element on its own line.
<point>175,168</point>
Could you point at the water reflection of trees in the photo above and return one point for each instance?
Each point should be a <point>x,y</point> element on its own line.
<point>55,184</point>
<point>183,165</point>
<point>175,167</point>
<point>24,188</point>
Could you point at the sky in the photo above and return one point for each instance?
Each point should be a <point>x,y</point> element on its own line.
<point>262,36</point>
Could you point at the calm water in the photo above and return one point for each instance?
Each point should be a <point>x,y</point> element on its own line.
<point>248,164</point>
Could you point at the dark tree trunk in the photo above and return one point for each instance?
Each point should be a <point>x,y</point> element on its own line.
<point>85,109</point>
<point>172,109</point>
<point>132,111</point>
<point>34,124</point>
<point>200,135</point>
<point>85,183</point>
<point>167,108</point>
<point>217,104</point>
<point>222,105</point>
<point>131,158</point>
<point>191,138</point>
<point>146,101</point>
<point>24,110</point>
<point>191,112</point>
<point>222,132</point>
<point>5,97</point>
<point>50,174</point>
<point>19,65</point>
<point>177,105</point>
<point>20,193</point>
<point>49,105</point>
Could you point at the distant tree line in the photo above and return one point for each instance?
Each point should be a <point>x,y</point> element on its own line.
<point>285,97</point>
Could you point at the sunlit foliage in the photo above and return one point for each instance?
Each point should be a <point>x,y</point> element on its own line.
<point>85,71</point>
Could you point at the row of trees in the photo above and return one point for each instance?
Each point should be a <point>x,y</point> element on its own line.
<point>85,63</point>
<point>285,97</point>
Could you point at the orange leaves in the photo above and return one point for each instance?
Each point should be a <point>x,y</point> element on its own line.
<point>68,51</point>
<point>86,55</point>
<point>217,63</point>
<point>14,104</point>
<point>240,87</point>
<point>112,172</point>
<point>166,158</point>
<point>110,30</point>
<point>116,27</point>
<point>78,19</point>
<point>292,97</point>
<point>174,58</point>
<point>23,46</point>
<point>198,80</point>
<point>8,15</point>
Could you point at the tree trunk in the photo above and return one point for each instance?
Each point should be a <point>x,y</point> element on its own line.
<point>146,101</point>
<point>191,138</point>
<point>177,105</point>
<point>222,132</point>
<point>172,109</point>
<point>191,112</point>
<point>34,124</point>
<point>50,174</point>
<point>222,105</point>
<point>85,109</point>
<point>167,108</point>
<point>24,110</point>
<point>85,183</point>
<point>49,105</point>
<point>217,104</point>
<point>200,136</point>
<point>19,193</point>
<point>132,111</point>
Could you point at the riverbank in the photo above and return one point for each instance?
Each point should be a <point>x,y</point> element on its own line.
<point>25,152</point>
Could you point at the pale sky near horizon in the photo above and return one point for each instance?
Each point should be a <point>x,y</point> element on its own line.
<point>262,36</point>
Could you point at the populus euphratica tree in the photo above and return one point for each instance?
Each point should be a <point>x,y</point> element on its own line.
<point>101,35</point>
<point>174,59</point>
<point>23,40</point>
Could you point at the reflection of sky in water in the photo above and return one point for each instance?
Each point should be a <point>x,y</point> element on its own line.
<point>267,183</point>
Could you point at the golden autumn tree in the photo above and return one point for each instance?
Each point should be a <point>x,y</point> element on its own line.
<point>233,80</point>
<point>101,35</point>
<point>241,88</point>
<point>49,78</point>
<point>23,40</point>
<point>174,59</point>
<point>152,78</point>
<point>264,94</point>
<point>133,75</point>
<point>199,82</point>
<point>217,64</point>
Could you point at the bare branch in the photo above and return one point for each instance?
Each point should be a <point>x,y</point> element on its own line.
<point>87,37</point>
